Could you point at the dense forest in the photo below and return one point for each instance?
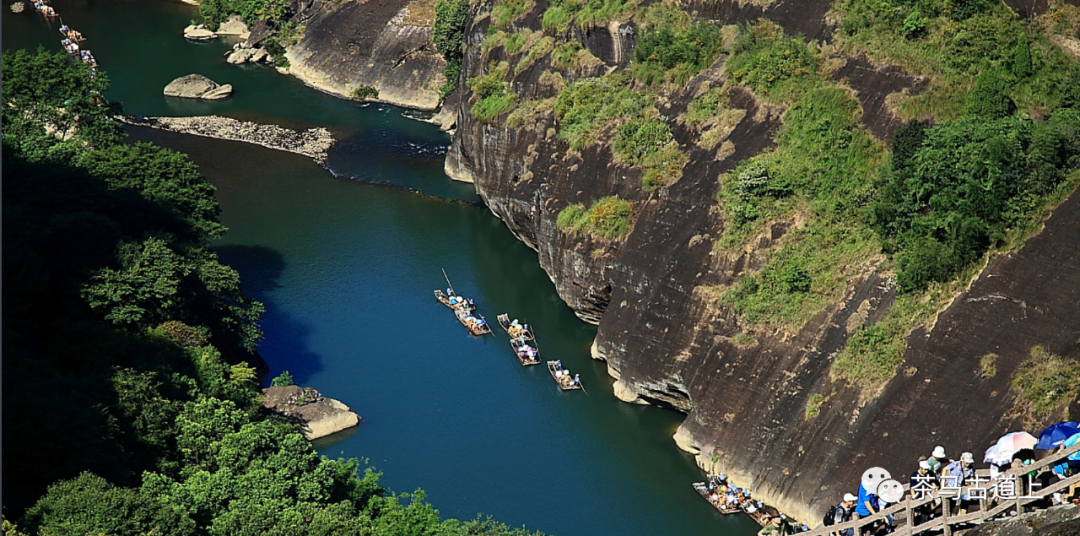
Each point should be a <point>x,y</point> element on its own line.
<point>131,406</point>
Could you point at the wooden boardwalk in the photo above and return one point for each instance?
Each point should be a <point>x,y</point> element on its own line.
<point>904,515</point>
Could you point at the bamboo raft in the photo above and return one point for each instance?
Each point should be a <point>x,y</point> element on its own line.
<point>565,382</point>
<point>74,35</point>
<point>519,340</point>
<point>703,489</point>
<point>756,513</point>
<point>44,9</point>
<point>463,312</point>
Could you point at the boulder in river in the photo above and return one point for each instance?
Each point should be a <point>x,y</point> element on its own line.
<point>317,416</point>
<point>234,26</point>
<point>199,33</point>
<point>241,55</point>
<point>219,93</point>
<point>197,86</point>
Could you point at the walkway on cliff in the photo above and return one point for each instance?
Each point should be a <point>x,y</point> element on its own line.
<point>1006,494</point>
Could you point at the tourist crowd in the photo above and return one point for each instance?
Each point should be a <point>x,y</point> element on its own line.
<point>955,485</point>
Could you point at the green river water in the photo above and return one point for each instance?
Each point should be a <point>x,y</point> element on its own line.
<point>346,268</point>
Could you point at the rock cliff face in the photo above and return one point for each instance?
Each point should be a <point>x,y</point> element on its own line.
<point>386,45</point>
<point>668,342</point>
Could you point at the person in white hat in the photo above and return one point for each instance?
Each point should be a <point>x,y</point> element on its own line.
<point>938,459</point>
<point>843,512</point>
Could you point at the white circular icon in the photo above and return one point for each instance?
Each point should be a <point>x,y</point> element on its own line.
<point>890,491</point>
<point>873,477</point>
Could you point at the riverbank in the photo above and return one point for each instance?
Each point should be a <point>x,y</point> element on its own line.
<point>313,142</point>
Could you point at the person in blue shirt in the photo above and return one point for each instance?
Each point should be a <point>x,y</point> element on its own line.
<point>868,506</point>
<point>863,508</point>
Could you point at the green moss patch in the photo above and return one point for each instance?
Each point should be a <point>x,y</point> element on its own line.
<point>609,218</point>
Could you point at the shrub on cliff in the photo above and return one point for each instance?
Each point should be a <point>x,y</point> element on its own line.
<point>965,184</point>
<point>365,92</point>
<point>506,11</point>
<point>587,108</point>
<point>492,96</point>
<point>990,99</point>
<point>610,218</point>
<point>764,59</point>
<point>586,13</point>
<point>1044,383</point>
<point>673,49</point>
<point>572,218</point>
<point>448,35</point>
<point>1021,63</point>
<point>638,138</point>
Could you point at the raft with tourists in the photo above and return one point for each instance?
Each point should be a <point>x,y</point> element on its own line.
<point>715,492</point>
<point>562,376</point>
<point>464,310</point>
<point>522,340</point>
<point>44,9</point>
<point>756,511</point>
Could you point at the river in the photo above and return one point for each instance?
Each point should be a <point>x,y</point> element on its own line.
<point>346,263</point>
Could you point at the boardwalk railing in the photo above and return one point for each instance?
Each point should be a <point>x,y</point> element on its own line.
<point>1009,491</point>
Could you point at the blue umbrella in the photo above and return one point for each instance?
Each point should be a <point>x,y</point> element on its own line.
<point>1056,435</point>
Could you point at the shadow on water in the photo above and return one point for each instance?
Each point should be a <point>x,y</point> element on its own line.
<point>262,268</point>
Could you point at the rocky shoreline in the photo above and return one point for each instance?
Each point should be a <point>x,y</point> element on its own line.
<point>313,142</point>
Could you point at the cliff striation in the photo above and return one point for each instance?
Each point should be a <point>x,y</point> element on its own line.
<point>385,45</point>
<point>666,337</point>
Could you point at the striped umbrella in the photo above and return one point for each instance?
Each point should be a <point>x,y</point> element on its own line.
<point>1002,451</point>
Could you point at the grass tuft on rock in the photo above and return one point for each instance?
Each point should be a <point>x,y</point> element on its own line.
<point>609,218</point>
<point>492,94</point>
<point>1044,383</point>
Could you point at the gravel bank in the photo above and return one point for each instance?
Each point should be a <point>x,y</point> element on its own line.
<point>313,142</point>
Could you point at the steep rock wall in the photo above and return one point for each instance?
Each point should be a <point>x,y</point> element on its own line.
<point>386,45</point>
<point>668,342</point>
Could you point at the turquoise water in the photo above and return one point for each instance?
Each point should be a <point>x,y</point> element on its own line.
<point>347,269</point>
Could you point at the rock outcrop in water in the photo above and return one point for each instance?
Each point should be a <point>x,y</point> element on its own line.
<point>197,86</point>
<point>317,416</point>
<point>386,45</point>
<point>668,342</point>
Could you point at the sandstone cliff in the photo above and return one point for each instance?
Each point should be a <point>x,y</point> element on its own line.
<point>386,45</point>
<point>668,342</point>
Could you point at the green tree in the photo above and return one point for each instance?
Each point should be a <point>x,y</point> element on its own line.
<point>448,35</point>
<point>283,380</point>
<point>914,25</point>
<point>90,505</point>
<point>1021,64</point>
<point>990,99</point>
<point>163,176</point>
<point>145,290</point>
<point>47,89</point>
